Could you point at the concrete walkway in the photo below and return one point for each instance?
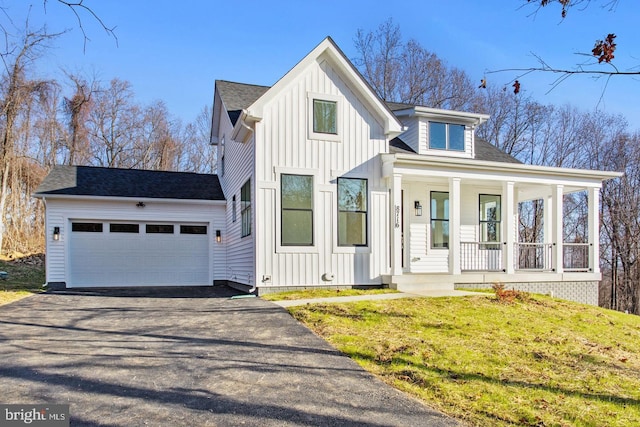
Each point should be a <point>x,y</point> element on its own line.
<point>373,297</point>
<point>187,357</point>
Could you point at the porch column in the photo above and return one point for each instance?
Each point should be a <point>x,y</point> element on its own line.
<point>594,230</point>
<point>510,228</point>
<point>557,193</point>
<point>454,225</point>
<point>396,226</point>
<point>547,219</point>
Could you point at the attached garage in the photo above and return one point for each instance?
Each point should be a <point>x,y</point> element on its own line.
<point>129,228</point>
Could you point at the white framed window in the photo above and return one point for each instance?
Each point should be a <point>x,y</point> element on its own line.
<point>439,220</point>
<point>352,212</point>
<point>296,210</point>
<point>490,217</point>
<point>245,208</point>
<point>325,117</point>
<point>446,136</point>
<point>233,209</point>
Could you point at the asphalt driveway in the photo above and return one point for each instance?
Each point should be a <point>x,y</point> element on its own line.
<point>156,357</point>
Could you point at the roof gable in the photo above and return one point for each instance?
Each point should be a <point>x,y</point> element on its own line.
<point>329,50</point>
<point>238,96</point>
<point>112,182</point>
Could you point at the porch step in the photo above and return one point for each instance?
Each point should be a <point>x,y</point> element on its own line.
<point>420,282</point>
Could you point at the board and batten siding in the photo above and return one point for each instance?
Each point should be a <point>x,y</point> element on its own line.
<point>239,167</point>
<point>60,213</point>
<point>285,147</point>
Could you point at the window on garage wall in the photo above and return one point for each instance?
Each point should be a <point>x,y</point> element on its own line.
<point>124,228</point>
<point>87,227</point>
<point>193,229</point>
<point>159,228</point>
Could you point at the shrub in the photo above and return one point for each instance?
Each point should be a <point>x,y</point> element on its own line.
<point>508,296</point>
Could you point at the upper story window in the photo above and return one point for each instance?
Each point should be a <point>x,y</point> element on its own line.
<point>222,156</point>
<point>296,210</point>
<point>324,116</point>
<point>352,212</point>
<point>245,208</point>
<point>446,136</point>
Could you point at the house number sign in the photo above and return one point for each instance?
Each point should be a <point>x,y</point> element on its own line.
<point>397,211</point>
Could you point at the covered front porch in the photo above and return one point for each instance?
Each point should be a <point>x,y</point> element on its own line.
<point>462,221</point>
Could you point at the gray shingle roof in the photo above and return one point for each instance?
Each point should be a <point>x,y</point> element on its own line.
<point>238,96</point>
<point>489,152</point>
<point>111,182</point>
<point>484,151</point>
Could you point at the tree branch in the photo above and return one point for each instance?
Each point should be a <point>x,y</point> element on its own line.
<point>74,6</point>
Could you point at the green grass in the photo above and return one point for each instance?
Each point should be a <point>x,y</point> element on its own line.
<point>324,293</point>
<point>534,362</point>
<point>24,280</point>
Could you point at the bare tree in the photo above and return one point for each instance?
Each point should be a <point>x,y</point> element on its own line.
<point>17,93</point>
<point>76,109</point>
<point>113,125</point>
<point>408,73</point>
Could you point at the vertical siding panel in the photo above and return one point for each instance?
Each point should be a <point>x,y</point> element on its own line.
<point>285,129</point>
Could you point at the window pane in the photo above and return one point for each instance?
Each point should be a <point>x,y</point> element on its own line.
<point>352,194</point>
<point>490,232</point>
<point>352,212</point>
<point>489,207</point>
<point>438,135</point>
<point>439,233</point>
<point>87,227</point>
<point>352,229</point>
<point>325,116</point>
<point>124,228</point>
<point>456,137</point>
<point>245,208</point>
<point>297,192</point>
<point>439,205</point>
<point>193,229</point>
<point>159,229</point>
<point>297,228</point>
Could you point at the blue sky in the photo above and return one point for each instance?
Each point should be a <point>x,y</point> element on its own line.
<point>175,50</point>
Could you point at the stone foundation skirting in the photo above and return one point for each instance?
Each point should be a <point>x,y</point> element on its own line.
<point>585,292</point>
<point>264,290</point>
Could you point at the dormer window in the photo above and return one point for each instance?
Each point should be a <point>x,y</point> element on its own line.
<point>446,136</point>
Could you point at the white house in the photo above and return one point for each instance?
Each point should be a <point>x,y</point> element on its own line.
<point>320,183</point>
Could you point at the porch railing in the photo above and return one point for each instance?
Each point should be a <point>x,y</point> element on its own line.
<point>481,256</point>
<point>534,256</point>
<point>575,256</point>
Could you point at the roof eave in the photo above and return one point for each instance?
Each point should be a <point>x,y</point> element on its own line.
<point>484,165</point>
<point>127,199</point>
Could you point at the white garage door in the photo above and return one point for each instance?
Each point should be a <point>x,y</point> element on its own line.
<point>138,254</point>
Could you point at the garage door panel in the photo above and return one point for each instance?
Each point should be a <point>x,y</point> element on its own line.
<point>139,259</point>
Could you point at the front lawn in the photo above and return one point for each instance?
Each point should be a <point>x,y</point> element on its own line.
<point>23,280</point>
<point>536,361</point>
<point>324,293</point>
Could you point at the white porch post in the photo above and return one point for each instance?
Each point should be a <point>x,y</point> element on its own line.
<point>396,226</point>
<point>557,193</point>
<point>454,225</point>
<point>594,230</point>
<point>510,228</point>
